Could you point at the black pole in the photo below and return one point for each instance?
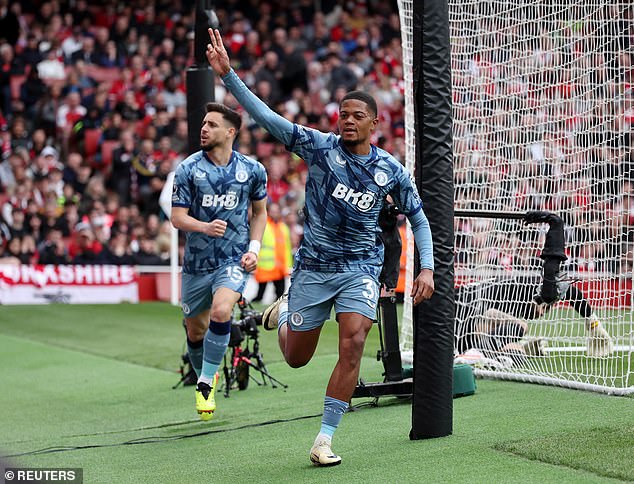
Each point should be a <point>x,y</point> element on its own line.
<point>488,214</point>
<point>432,403</point>
<point>200,77</point>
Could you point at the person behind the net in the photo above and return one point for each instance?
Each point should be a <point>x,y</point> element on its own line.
<point>340,257</point>
<point>494,317</point>
<point>213,191</point>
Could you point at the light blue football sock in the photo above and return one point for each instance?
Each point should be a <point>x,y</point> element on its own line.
<point>333,411</point>
<point>214,347</point>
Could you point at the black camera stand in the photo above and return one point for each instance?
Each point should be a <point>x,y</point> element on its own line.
<point>390,354</point>
<point>240,359</point>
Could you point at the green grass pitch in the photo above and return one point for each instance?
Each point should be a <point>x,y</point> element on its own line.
<point>91,387</point>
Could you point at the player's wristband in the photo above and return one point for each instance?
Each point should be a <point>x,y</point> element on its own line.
<point>254,246</point>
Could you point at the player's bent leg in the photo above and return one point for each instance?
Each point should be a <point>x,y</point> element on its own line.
<point>271,314</point>
<point>204,392</point>
<point>223,302</point>
<point>298,347</point>
<point>214,348</point>
<point>353,331</point>
<point>196,326</point>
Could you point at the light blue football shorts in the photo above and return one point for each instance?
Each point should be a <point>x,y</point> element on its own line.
<point>197,289</point>
<point>312,295</point>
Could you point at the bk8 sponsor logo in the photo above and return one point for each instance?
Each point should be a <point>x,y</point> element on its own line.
<point>227,200</point>
<point>362,201</point>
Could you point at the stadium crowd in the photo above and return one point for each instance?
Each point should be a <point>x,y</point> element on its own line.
<point>542,121</point>
<point>93,118</point>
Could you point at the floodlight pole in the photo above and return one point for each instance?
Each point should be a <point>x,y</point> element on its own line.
<point>200,76</point>
<point>199,84</point>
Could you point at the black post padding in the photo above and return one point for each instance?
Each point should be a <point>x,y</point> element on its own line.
<point>205,17</point>
<point>200,91</point>
<point>199,77</point>
<point>432,406</point>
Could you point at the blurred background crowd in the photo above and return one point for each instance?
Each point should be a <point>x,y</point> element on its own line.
<point>93,117</point>
<point>93,111</point>
<point>542,104</point>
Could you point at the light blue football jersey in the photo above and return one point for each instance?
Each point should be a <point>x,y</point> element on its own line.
<point>344,192</point>
<point>213,192</point>
<point>344,195</point>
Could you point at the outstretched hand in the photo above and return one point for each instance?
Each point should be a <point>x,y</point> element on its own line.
<point>217,54</point>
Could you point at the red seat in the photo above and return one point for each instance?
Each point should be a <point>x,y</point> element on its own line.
<point>91,142</point>
<point>103,74</point>
<point>16,84</point>
<point>107,147</point>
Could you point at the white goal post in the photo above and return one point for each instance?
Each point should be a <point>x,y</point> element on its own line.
<point>542,105</point>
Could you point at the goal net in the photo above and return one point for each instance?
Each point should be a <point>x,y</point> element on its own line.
<point>542,99</point>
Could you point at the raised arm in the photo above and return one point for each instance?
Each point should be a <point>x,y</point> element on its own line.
<point>280,127</point>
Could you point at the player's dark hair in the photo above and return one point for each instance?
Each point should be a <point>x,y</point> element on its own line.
<point>363,97</point>
<point>227,113</point>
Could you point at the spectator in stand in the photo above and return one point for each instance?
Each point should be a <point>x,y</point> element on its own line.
<point>276,185</point>
<point>70,111</point>
<point>17,226</point>
<point>9,24</point>
<point>53,249</point>
<point>86,53</point>
<point>51,68</point>
<point>28,250</point>
<point>148,255</point>
<point>122,169</point>
<point>174,96</point>
<point>84,248</point>
<point>73,43</point>
<point>14,162</point>
<point>9,66</point>
<point>10,253</point>
<point>271,72</point>
<point>341,76</point>
<point>32,90</point>
<point>19,134</point>
<point>117,251</point>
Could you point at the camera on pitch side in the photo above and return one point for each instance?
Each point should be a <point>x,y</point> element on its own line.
<point>249,320</point>
<point>247,325</point>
